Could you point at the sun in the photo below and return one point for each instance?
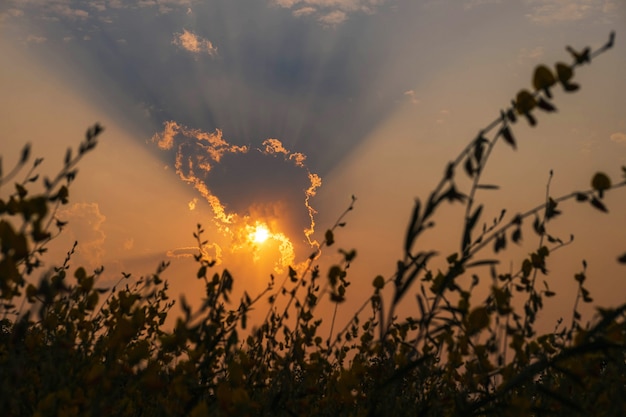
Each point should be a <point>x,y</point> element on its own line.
<point>260,234</point>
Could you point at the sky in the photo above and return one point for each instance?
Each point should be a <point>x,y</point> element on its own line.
<point>243,113</point>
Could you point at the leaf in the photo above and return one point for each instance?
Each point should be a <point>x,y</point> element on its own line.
<point>25,153</point>
<point>330,238</point>
<point>477,320</point>
<point>21,191</point>
<point>201,272</point>
<point>599,205</point>
<point>379,282</point>
<point>564,72</point>
<point>580,57</point>
<point>551,210</point>
<point>508,136</point>
<point>453,195</point>
<point>531,119</point>
<point>487,187</point>
<point>543,79</point>
<point>545,105</point>
<point>500,243</point>
<point>516,236</point>
<point>469,167</point>
<point>412,230</point>
<point>581,197</point>
<point>68,156</point>
<point>538,226</point>
<point>611,41</point>
<point>622,259</point>
<point>525,102</point>
<point>483,262</point>
<point>479,147</point>
<point>469,225</point>
<point>293,275</point>
<point>600,181</point>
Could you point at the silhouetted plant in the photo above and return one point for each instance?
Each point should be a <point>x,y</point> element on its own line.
<point>65,351</point>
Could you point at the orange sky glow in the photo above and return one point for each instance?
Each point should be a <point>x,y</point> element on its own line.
<point>260,120</point>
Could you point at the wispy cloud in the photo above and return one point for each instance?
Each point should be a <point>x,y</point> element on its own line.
<point>555,11</point>
<point>35,39</point>
<point>193,43</point>
<point>470,4</point>
<point>329,12</point>
<point>618,137</point>
<point>410,94</point>
<point>530,54</point>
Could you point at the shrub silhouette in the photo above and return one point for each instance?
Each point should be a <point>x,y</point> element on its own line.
<point>70,348</point>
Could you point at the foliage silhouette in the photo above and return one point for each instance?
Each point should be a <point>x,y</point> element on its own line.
<point>64,351</point>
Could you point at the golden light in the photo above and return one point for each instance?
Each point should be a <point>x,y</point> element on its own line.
<point>260,234</point>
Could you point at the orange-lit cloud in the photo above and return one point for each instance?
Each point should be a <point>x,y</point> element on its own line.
<point>329,13</point>
<point>618,137</point>
<point>194,43</point>
<point>247,188</point>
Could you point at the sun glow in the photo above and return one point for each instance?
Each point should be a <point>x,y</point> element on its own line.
<point>260,234</point>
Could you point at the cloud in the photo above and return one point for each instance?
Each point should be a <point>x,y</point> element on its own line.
<point>618,137</point>
<point>247,187</point>
<point>329,12</point>
<point>532,54</point>
<point>304,11</point>
<point>35,39</point>
<point>333,18</point>
<point>556,11</point>
<point>68,12</point>
<point>470,4</point>
<point>10,13</point>
<point>194,43</point>
<point>412,97</point>
<point>86,226</point>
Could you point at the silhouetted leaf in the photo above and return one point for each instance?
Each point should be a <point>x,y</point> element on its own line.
<point>453,195</point>
<point>477,320</point>
<point>516,236</point>
<point>525,102</point>
<point>531,119</point>
<point>598,204</point>
<point>545,105</point>
<point>564,72</point>
<point>487,187</point>
<point>622,259</point>
<point>543,79</point>
<point>581,197</point>
<point>468,167</point>
<point>330,238</point>
<point>469,225</point>
<point>25,153</point>
<point>571,87</point>
<point>551,210</point>
<point>611,41</point>
<point>500,243</point>
<point>508,136</point>
<point>538,226</point>
<point>600,182</point>
<point>449,171</point>
<point>68,156</point>
<point>580,57</point>
<point>479,146</point>
<point>379,282</point>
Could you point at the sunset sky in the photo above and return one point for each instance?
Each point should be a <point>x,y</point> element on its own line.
<point>235,113</point>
